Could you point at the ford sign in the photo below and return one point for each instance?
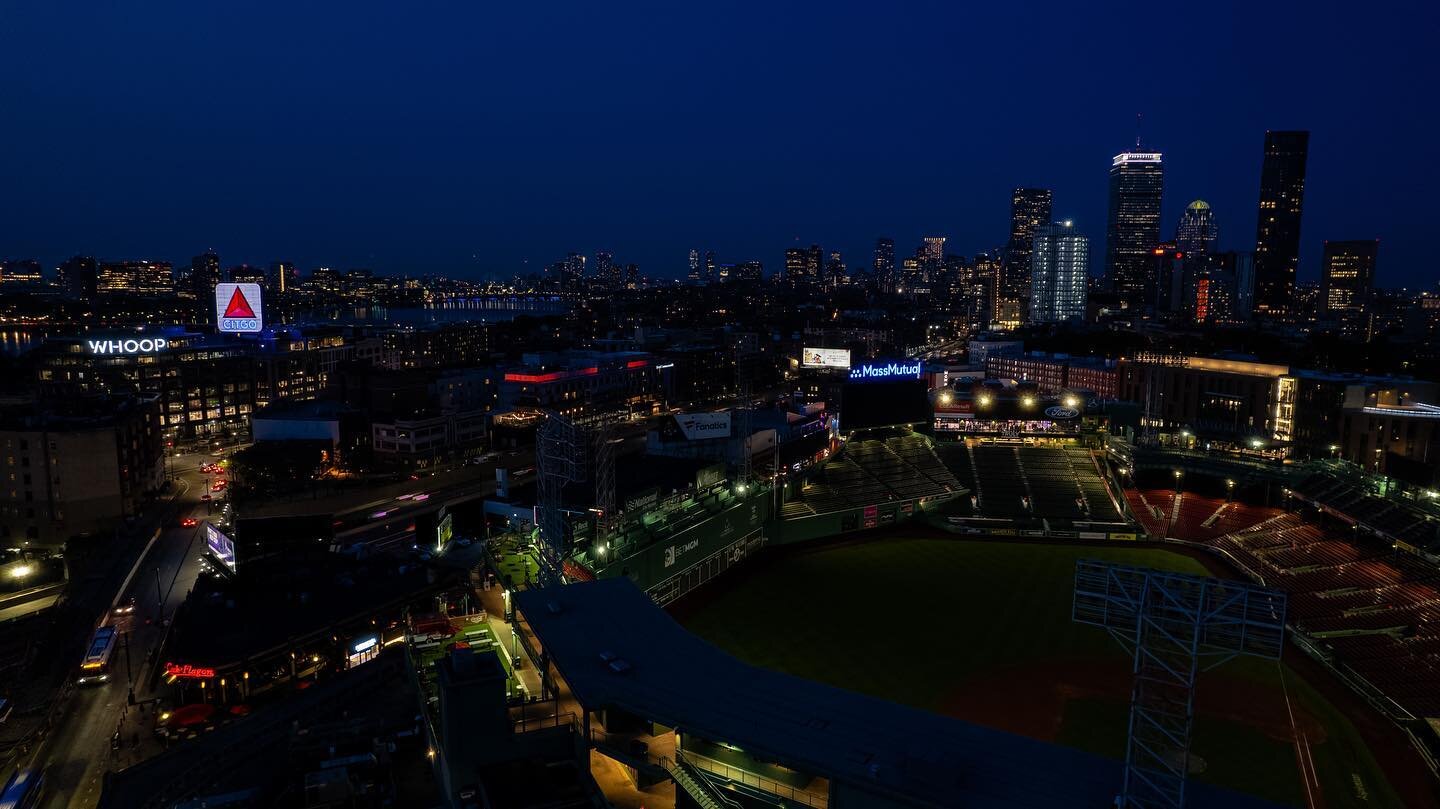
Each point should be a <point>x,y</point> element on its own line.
<point>1061,412</point>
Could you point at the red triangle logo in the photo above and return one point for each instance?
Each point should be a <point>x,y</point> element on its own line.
<point>238,306</point>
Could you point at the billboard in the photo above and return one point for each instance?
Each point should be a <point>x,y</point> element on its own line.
<point>697,426</point>
<point>444,530</point>
<point>825,357</point>
<point>643,500</point>
<point>886,370</point>
<point>709,476</point>
<point>220,546</point>
<point>238,308</point>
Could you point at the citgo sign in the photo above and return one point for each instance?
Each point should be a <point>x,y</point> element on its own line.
<point>238,308</point>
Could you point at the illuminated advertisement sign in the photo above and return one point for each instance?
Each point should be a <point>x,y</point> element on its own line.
<point>695,426</point>
<point>188,672</point>
<point>1061,412</point>
<point>882,370</point>
<point>444,530</point>
<point>825,357</point>
<point>128,345</point>
<point>220,546</point>
<point>238,308</point>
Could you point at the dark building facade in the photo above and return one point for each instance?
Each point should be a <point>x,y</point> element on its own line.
<point>1137,180</point>
<point>77,467</point>
<point>79,277</point>
<point>1277,229</point>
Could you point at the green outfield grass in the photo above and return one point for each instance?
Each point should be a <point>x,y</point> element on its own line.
<point>975,628</point>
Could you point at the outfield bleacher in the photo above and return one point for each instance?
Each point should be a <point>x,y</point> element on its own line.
<point>1060,483</point>
<point>870,471</point>
<point>1391,517</point>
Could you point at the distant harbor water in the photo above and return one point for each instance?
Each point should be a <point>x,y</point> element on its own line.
<point>14,342</point>
<point>457,310</point>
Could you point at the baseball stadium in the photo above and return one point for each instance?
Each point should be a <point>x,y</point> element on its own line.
<point>907,621</point>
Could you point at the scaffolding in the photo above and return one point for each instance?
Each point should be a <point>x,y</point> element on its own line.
<point>1173,626</point>
<point>572,451</point>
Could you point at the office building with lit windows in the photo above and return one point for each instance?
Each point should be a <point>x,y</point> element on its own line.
<point>1029,209</point>
<point>1197,233</point>
<point>206,386</point>
<point>1058,273</point>
<point>1137,180</point>
<point>1347,281</point>
<point>1277,229</point>
<point>135,278</point>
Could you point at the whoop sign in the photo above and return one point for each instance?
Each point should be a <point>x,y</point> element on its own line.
<point>238,308</point>
<point>128,345</point>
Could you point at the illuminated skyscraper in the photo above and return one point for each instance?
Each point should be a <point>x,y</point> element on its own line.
<point>1197,232</point>
<point>1058,262</point>
<point>1137,180</point>
<point>283,276</point>
<point>932,257</point>
<point>1277,230</point>
<point>1347,281</point>
<point>694,266</point>
<point>885,263</point>
<point>1029,209</point>
<point>795,260</point>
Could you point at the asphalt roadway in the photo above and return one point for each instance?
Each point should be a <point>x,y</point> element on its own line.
<point>78,751</point>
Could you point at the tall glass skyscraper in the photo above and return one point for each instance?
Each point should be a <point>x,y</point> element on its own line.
<point>1277,231</point>
<point>1137,180</point>
<point>1197,232</point>
<point>885,263</point>
<point>1029,209</point>
<point>1058,262</point>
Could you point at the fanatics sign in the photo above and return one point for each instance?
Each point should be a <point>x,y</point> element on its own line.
<point>238,308</point>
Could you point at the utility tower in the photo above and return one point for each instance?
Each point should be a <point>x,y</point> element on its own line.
<point>1174,626</point>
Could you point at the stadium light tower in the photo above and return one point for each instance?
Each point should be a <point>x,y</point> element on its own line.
<point>1174,626</point>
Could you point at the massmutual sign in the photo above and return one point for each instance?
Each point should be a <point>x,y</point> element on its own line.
<point>885,371</point>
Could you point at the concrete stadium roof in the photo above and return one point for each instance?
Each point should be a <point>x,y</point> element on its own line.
<point>914,757</point>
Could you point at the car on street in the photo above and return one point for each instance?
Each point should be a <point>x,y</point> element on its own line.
<point>126,607</point>
<point>189,522</point>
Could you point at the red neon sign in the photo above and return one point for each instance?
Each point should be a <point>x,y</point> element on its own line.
<point>534,379</point>
<point>637,363</point>
<point>188,672</point>
<point>238,307</point>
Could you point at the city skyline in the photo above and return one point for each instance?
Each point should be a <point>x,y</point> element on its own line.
<point>448,190</point>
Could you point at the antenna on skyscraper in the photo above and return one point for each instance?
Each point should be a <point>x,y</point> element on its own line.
<point>1138,116</point>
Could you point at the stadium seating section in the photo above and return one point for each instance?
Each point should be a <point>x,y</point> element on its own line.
<point>1013,482</point>
<point>875,470</point>
<point>1391,517</point>
<point>1377,610</point>
<point>1017,482</point>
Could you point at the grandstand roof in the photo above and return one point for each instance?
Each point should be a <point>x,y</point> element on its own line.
<point>913,757</point>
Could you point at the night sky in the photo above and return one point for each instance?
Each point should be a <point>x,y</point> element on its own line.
<point>476,137</point>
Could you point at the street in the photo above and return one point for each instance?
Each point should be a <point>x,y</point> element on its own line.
<point>78,752</point>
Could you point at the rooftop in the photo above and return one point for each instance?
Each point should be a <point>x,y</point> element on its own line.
<point>912,756</point>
